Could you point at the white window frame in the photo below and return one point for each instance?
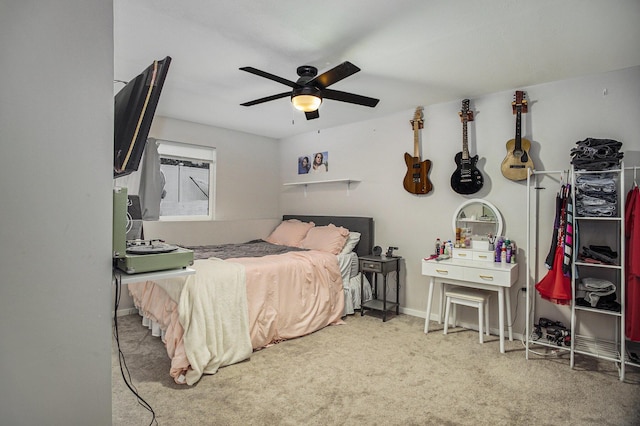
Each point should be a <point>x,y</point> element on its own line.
<point>190,152</point>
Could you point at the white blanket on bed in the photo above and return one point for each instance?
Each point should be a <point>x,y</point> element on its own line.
<point>213,312</point>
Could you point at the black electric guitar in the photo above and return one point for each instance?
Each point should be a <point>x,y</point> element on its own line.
<point>467,179</point>
<point>416,181</point>
<point>517,162</point>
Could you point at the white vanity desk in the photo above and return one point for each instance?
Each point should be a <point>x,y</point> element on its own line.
<point>474,222</point>
<point>472,273</point>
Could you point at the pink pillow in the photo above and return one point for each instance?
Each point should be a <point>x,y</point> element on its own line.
<point>328,238</point>
<point>290,233</point>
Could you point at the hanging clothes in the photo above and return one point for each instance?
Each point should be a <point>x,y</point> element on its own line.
<point>556,285</point>
<point>554,238</point>
<point>632,264</point>
<point>568,233</point>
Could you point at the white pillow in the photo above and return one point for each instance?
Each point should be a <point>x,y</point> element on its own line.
<point>352,240</point>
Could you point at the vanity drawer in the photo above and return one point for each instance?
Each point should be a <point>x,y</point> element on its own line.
<point>478,255</point>
<point>463,254</point>
<point>483,256</point>
<point>488,276</point>
<point>442,270</point>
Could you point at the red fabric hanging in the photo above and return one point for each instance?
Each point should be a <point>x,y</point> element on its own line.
<point>632,265</point>
<point>555,286</point>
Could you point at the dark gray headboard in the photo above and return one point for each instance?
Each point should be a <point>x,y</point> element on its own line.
<point>363,225</point>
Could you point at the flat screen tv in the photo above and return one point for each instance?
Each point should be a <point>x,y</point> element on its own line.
<point>135,106</point>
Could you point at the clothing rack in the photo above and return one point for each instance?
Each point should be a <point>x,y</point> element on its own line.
<point>585,344</point>
<point>635,169</point>
<point>564,178</point>
<point>633,362</point>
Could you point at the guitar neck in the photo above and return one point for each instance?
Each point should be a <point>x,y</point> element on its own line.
<point>465,116</point>
<point>465,143</point>
<point>518,138</point>
<point>416,140</point>
<point>417,125</point>
<point>519,106</point>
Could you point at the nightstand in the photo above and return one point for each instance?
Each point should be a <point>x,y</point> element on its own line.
<point>380,265</point>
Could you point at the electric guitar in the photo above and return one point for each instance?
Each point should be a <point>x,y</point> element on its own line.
<point>467,179</point>
<point>517,161</point>
<point>416,180</point>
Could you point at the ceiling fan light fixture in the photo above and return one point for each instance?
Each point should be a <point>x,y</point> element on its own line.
<point>306,103</point>
<point>310,89</point>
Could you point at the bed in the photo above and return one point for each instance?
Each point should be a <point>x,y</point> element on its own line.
<point>349,264</point>
<point>245,297</point>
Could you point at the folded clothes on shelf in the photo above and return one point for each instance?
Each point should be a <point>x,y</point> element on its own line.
<point>604,250</point>
<point>598,254</point>
<point>596,154</point>
<point>595,291</point>
<point>606,305</point>
<point>596,195</point>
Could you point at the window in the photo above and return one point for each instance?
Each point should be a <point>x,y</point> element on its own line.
<point>189,181</point>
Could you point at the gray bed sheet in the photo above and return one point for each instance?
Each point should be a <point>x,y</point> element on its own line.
<point>253,248</point>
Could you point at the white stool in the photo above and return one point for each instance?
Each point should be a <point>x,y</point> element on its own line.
<point>468,297</point>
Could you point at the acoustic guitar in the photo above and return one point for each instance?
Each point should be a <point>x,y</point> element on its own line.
<point>416,181</point>
<point>467,179</point>
<point>517,162</point>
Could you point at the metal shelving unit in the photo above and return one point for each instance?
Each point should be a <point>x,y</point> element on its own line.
<point>595,332</point>
<point>593,230</point>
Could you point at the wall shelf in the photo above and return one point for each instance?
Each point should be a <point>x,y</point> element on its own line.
<point>316,182</point>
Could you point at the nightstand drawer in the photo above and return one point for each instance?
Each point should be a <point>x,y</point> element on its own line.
<point>367,265</point>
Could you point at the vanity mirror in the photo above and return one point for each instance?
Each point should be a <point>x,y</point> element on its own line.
<point>473,221</point>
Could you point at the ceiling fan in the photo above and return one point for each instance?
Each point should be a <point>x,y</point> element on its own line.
<point>310,88</point>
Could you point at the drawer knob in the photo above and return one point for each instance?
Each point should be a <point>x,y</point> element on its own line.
<point>442,271</point>
<point>487,277</point>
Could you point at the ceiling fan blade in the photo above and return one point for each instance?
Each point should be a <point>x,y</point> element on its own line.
<point>334,75</point>
<point>311,115</point>
<point>267,99</point>
<point>264,74</point>
<point>351,98</point>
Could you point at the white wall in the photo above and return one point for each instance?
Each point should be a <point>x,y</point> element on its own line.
<point>560,114</point>
<point>247,170</point>
<point>56,133</point>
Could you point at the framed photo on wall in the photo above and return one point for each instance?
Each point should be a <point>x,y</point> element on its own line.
<point>304,164</point>
<point>317,162</point>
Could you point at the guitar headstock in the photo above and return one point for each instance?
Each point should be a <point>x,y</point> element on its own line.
<point>519,102</point>
<point>417,118</point>
<point>465,114</point>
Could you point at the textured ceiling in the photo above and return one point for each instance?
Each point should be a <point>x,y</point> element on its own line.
<point>411,52</point>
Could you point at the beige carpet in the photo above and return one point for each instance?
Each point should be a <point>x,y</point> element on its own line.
<point>370,372</point>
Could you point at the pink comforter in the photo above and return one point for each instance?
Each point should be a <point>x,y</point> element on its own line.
<point>288,295</point>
